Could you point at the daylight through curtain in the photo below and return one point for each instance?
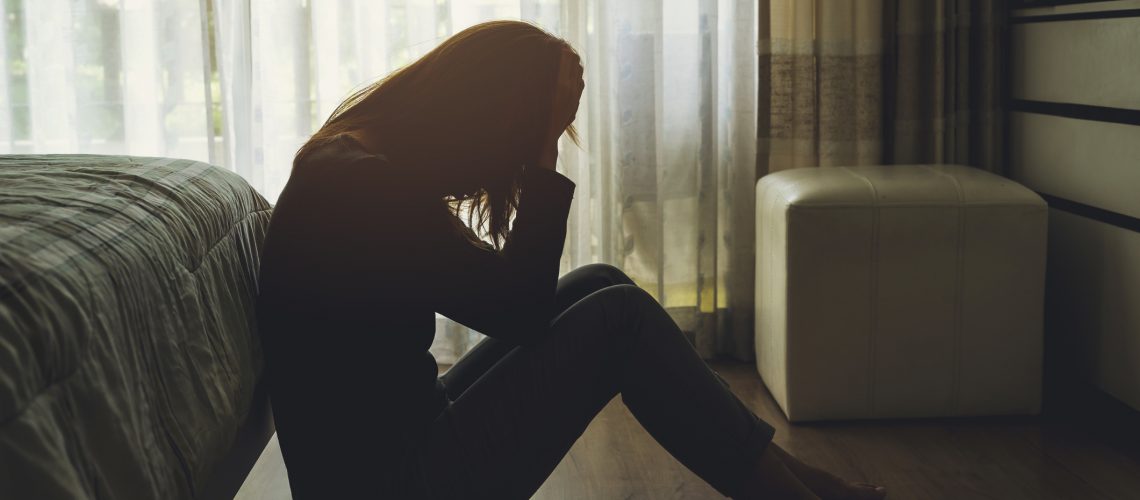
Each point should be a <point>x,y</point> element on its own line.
<point>668,120</point>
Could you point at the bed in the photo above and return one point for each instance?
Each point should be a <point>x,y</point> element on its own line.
<point>129,362</point>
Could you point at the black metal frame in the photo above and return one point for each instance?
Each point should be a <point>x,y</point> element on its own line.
<point>1028,4</point>
<point>1089,112</point>
<point>1090,212</point>
<point>1076,16</point>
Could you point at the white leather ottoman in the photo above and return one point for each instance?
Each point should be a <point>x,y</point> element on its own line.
<point>899,291</point>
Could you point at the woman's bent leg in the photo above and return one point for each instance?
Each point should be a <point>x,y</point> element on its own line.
<point>509,430</point>
<point>577,284</point>
<point>572,287</point>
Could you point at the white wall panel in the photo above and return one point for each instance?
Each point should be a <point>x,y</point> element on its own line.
<point>1094,267</point>
<point>1094,62</point>
<point>1095,163</point>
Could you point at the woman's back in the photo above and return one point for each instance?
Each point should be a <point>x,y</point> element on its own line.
<point>342,324</point>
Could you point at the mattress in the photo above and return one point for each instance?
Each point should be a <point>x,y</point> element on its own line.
<point>128,351</point>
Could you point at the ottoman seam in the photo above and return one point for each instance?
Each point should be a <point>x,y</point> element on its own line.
<point>873,293</point>
<point>959,278</point>
<point>955,402</point>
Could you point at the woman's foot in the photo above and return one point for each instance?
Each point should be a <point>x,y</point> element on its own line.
<point>826,485</point>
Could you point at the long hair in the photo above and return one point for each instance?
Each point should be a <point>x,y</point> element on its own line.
<point>481,99</point>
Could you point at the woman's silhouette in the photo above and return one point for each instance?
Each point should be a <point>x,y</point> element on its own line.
<point>367,243</point>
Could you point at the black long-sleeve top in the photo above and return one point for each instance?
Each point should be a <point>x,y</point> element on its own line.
<point>356,263</point>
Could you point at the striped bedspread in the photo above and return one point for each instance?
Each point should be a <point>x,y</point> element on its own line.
<point>128,353</point>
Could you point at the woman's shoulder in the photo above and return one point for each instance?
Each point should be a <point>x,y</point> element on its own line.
<point>340,164</point>
<point>336,150</point>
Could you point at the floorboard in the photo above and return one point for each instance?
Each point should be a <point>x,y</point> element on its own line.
<point>983,458</point>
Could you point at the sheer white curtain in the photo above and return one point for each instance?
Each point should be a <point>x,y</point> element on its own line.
<point>668,159</point>
<point>104,76</point>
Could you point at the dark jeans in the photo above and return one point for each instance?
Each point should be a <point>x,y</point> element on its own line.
<point>516,411</point>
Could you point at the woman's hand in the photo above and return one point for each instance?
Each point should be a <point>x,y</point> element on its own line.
<point>568,91</point>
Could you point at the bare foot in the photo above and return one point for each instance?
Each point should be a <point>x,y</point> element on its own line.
<point>825,484</point>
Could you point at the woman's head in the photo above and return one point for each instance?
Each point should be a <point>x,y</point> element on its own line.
<point>469,114</point>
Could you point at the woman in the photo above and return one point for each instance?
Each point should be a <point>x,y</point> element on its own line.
<point>367,243</point>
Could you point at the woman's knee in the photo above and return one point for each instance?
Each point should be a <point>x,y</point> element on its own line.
<point>627,313</point>
<point>585,280</point>
<point>606,273</point>
<point>625,304</point>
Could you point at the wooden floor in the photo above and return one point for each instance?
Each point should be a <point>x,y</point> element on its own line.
<point>986,458</point>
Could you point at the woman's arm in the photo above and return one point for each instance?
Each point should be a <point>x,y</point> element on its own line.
<point>510,294</point>
<point>506,294</point>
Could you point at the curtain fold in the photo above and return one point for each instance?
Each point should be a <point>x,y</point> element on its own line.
<point>946,76</point>
<point>103,76</point>
<point>849,82</point>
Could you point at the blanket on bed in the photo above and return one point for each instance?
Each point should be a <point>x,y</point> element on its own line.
<point>128,351</point>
